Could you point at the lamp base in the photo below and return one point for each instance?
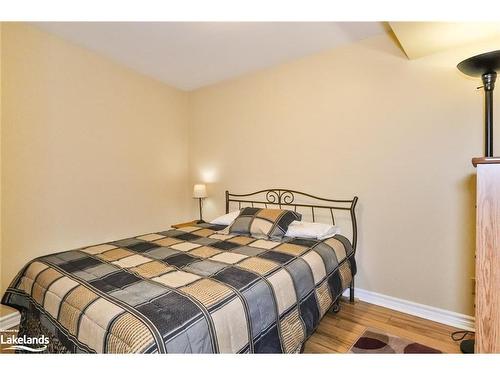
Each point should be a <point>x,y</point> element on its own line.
<point>467,346</point>
<point>201,212</point>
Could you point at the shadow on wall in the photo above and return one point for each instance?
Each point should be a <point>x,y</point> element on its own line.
<point>468,234</point>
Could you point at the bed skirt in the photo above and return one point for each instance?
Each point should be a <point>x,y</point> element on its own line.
<point>31,326</point>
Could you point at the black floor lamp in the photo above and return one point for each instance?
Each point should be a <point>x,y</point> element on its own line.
<point>485,66</point>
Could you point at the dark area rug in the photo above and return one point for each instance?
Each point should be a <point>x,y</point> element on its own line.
<point>376,342</point>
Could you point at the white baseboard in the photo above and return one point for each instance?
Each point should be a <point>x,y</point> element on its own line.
<point>435,314</point>
<point>9,321</point>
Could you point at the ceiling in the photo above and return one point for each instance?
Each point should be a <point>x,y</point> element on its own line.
<point>420,39</point>
<point>190,55</point>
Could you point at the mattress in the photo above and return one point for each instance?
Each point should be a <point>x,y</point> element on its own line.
<point>187,290</point>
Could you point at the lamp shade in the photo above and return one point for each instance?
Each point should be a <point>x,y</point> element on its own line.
<point>478,65</point>
<point>200,191</point>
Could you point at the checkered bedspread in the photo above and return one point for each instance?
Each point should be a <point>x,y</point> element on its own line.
<point>190,290</point>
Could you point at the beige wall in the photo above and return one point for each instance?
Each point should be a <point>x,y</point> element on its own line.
<point>361,120</point>
<point>91,151</point>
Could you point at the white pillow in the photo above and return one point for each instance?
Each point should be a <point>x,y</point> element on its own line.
<point>304,229</point>
<point>226,219</point>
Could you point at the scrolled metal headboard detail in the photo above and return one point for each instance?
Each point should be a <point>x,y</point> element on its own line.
<point>280,196</point>
<point>287,197</point>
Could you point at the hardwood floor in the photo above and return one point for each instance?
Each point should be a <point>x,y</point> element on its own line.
<point>338,332</point>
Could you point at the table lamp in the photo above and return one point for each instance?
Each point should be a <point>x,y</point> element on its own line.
<point>200,192</point>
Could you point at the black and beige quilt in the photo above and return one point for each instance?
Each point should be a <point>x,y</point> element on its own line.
<point>188,290</point>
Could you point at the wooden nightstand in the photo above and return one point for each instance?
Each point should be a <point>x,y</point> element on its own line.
<point>187,224</point>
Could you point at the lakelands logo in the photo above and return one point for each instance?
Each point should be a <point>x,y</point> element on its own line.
<point>29,344</point>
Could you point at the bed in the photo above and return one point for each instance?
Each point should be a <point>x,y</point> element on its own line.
<point>193,289</point>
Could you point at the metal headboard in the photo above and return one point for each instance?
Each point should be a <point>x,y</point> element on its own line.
<point>287,198</point>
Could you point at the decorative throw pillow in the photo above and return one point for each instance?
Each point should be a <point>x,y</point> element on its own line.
<point>263,222</point>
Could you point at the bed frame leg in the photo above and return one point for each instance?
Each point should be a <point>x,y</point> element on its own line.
<point>351,291</point>
<point>335,308</point>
